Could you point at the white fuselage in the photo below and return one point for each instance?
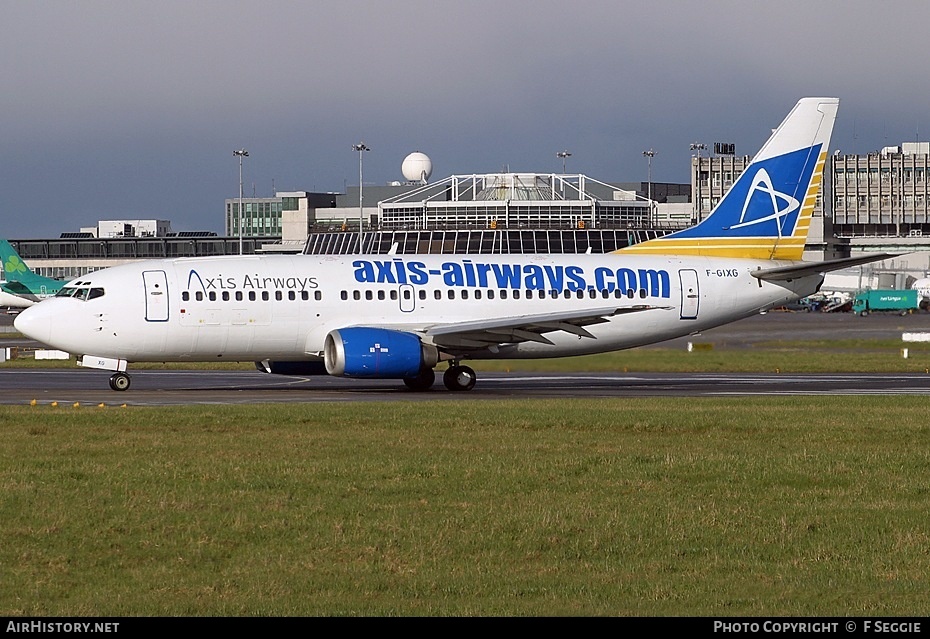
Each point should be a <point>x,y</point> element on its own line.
<point>282,307</point>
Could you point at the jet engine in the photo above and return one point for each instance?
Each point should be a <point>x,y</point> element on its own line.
<point>377,353</point>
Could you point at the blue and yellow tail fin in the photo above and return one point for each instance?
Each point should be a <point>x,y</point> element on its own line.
<point>766,214</point>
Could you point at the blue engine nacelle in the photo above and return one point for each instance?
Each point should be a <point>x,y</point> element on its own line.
<point>376,353</point>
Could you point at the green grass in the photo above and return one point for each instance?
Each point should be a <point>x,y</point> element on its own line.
<point>656,506</point>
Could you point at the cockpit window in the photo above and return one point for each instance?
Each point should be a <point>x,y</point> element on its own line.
<point>81,293</point>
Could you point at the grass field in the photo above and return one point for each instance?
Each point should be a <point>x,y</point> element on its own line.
<point>657,507</point>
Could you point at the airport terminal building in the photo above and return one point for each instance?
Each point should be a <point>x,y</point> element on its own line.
<point>874,202</point>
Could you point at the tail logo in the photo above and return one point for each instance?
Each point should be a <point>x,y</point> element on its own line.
<point>14,264</point>
<point>762,183</point>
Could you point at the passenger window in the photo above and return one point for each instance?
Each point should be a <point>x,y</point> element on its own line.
<point>451,294</point>
<point>642,293</point>
<point>344,295</point>
<point>464,295</point>
<point>422,294</point>
<point>356,295</point>
<point>317,296</point>
<point>503,295</point>
<point>304,296</point>
<point>369,295</point>
<point>238,296</point>
<point>251,296</point>
<point>185,296</point>
<point>516,295</point>
<point>437,294</point>
<point>212,296</point>
<point>225,296</point>
<point>629,293</point>
<point>278,295</point>
<point>291,296</point>
<point>381,295</point>
<point>490,295</point>
<point>394,295</point>
<point>265,296</point>
<point>198,296</point>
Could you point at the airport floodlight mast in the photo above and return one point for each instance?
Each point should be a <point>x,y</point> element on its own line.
<point>563,155</point>
<point>649,155</point>
<point>240,153</point>
<point>697,146</point>
<point>361,148</point>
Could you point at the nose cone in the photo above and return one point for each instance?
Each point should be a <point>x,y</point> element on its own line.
<point>35,323</point>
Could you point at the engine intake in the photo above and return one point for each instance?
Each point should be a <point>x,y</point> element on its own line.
<point>376,353</point>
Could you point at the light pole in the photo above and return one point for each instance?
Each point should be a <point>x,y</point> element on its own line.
<point>240,153</point>
<point>697,146</point>
<point>563,155</point>
<point>649,155</point>
<point>361,148</point>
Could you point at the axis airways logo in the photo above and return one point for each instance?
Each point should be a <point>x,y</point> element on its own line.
<point>782,204</point>
<point>765,201</point>
<point>255,282</point>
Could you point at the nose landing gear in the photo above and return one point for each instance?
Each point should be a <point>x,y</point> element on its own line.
<point>120,381</point>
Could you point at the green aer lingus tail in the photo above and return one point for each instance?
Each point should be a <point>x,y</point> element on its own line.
<point>21,287</point>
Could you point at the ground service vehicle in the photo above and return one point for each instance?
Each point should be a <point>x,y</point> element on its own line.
<point>889,301</point>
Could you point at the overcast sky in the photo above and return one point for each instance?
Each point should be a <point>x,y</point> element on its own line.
<point>131,110</point>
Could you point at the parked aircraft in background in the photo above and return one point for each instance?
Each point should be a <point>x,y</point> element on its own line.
<point>390,316</point>
<point>21,287</point>
<point>923,287</point>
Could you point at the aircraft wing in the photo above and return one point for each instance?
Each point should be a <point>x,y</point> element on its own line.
<point>524,328</point>
<point>803,269</point>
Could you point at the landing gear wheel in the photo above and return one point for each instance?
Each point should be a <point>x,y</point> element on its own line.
<point>459,378</point>
<point>422,381</point>
<point>119,381</point>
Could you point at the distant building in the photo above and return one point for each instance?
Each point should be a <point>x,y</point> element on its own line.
<point>885,193</point>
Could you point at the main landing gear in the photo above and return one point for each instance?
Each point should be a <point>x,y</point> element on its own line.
<point>456,378</point>
<point>459,378</point>
<point>119,381</point>
<point>422,381</point>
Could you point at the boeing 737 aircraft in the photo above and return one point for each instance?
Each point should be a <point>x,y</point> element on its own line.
<point>398,317</point>
<point>21,287</point>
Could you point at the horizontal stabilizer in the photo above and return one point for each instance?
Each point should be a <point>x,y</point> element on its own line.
<point>786,273</point>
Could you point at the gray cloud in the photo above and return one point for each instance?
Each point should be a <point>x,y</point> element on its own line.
<point>132,109</point>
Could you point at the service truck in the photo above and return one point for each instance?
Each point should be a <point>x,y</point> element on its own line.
<point>886,301</point>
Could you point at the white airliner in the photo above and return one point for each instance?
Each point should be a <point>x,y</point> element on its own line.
<point>398,317</point>
<point>922,286</point>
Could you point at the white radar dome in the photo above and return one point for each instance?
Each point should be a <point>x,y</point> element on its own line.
<point>417,167</point>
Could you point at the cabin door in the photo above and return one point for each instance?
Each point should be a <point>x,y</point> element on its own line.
<point>156,296</point>
<point>690,296</point>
